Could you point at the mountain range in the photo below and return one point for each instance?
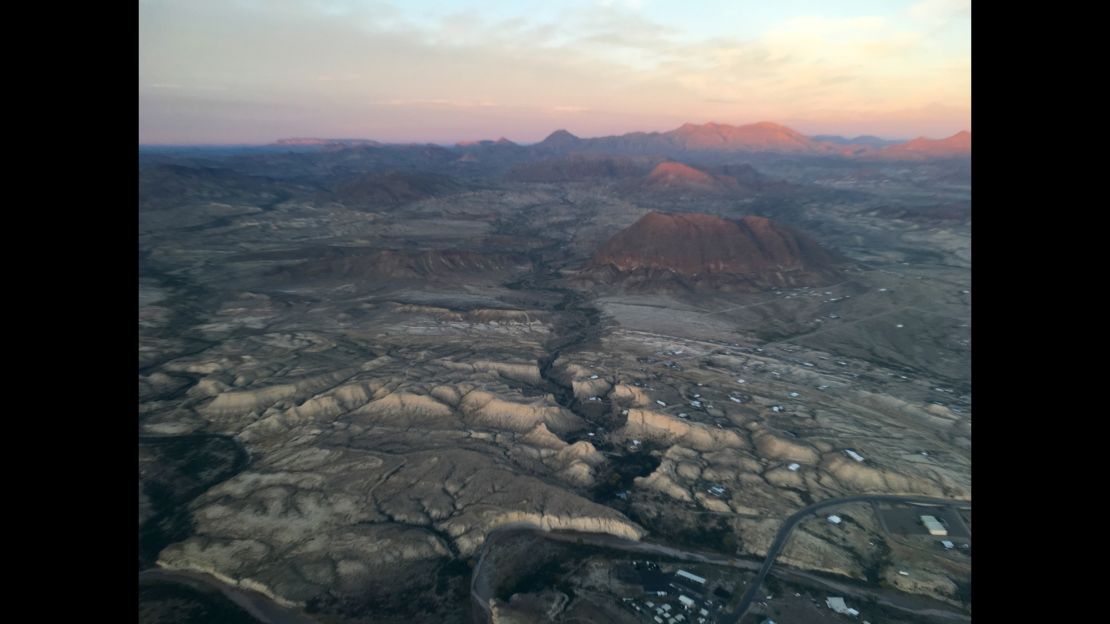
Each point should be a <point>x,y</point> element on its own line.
<point>714,137</point>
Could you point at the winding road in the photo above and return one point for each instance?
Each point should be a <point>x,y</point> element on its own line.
<point>261,607</point>
<point>789,524</point>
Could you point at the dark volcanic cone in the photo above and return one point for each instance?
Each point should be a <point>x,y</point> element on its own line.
<point>676,178</point>
<point>690,249</point>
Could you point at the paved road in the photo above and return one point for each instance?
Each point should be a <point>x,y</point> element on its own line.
<point>481,592</point>
<point>475,575</point>
<point>481,595</point>
<point>907,603</point>
<point>792,521</point>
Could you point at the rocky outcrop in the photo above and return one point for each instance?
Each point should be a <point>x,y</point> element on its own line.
<point>773,446</point>
<point>484,409</point>
<point>239,402</point>
<point>468,542</point>
<point>650,425</point>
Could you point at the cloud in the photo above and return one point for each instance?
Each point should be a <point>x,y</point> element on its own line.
<point>827,26</point>
<point>634,5</point>
<point>940,10</point>
<point>418,103</point>
<point>370,72</point>
<point>349,77</point>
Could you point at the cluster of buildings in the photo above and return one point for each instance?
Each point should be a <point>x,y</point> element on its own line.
<point>683,602</point>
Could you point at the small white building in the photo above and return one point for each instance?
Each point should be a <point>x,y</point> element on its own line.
<point>686,601</point>
<point>854,455</point>
<point>934,526</point>
<point>794,467</point>
<point>834,519</point>
<point>947,544</point>
<point>692,577</point>
<point>836,603</point>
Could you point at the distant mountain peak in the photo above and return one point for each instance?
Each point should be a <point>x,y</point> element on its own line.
<point>764,135</point>
<point>958,144</point>
<point>560,136</point>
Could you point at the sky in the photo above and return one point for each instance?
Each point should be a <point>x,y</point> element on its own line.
<point>255,71</point>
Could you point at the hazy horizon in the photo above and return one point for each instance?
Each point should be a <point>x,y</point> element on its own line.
<point>450,142</point>
<point>248,72</point>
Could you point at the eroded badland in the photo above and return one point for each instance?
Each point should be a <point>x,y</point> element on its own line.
<point>358,362</point>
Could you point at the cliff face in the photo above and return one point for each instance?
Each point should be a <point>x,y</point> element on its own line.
<point>708,249</point>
